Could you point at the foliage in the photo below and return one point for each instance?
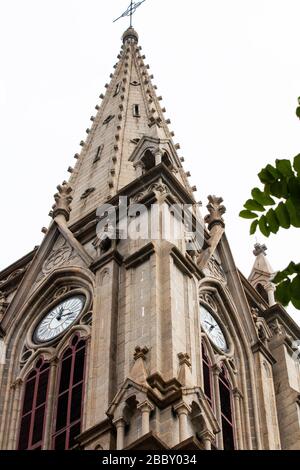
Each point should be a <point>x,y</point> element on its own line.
<point>277,206</point>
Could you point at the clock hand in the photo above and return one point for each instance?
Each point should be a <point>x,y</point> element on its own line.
<point>58,318</point>
<point>66,314</point>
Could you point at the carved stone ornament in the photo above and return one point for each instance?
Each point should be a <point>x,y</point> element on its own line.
<point>213,269</point>
<point>216,211</point>
<point>277,328</point>
<point>63,200</point>
<point>61,291</point>
<point>159,189</point>
<point>3,304</point>
<point>61,255</point>
<point>208,298</point>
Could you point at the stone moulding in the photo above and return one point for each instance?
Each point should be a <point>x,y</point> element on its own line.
<point>140,256</point>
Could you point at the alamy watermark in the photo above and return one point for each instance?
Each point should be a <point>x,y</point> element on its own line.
<point>154,222</point>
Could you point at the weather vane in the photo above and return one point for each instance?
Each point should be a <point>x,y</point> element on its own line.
<point>130,11</point>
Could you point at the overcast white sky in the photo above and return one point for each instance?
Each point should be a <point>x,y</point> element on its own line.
<point>229,73</point>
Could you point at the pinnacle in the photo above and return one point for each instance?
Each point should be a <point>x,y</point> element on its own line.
<point>129,111</point>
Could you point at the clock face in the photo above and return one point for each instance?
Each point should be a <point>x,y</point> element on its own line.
<point>212,329</point>
<point>59,319</point>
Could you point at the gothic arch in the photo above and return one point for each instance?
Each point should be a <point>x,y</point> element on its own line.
<point>241,339</point>
<point>81,279</point>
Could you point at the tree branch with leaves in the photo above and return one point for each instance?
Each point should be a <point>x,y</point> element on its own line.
<point>277,206</point>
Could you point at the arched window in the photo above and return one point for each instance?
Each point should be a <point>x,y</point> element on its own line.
<point>70,392</point>
<point>148,160</point>
<point>207,378</point>
<point>34,406</point>
<point>226,411</point>
<point>262,291</point>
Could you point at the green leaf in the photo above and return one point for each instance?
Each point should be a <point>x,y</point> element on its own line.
<point>272,221</point>
<point>279,189</point>
<point>263,226</point>
<point>283,216</point>
<point>294,213</point>
<point>292,268</point>
<point>298,112</point>
<point>253,227</point>
<point>252,205</point>
<point>295,288</point>
<point>296,303</point>
<point>273,171</point>
<point>283,293</point>
<point>248,215</point>
<point>296,268</point>
<point>280,276</point>
<point>294,187</point>
<point>284,167</point>
<point>265,176</point>
<point>262,198</point>
<point>297,163</point>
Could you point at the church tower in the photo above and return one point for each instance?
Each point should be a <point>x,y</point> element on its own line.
<point>130,326</point>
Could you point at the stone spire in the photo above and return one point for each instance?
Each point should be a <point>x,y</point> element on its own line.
<point>130,111</point>
<point>262,274</point>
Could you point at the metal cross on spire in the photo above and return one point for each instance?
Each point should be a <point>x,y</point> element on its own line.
<point>130,11</point>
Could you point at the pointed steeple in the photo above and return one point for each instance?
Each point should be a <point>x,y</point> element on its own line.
<point>262,274</point>
<point>128,121</point>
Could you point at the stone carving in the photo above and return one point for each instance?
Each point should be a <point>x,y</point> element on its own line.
<point>62,254</point>
<point>259,325</point>
<point>16,273</point>
<point>158,188</point>
<point>208,298</point>
<point>277,328</point>
<point>216,210</point>
<point>3,305</point>
<point>61,291</point>
<point>63,200</point>
<point>214,269</point>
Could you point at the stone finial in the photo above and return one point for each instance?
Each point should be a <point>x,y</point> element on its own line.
<point>260,249</point>
<point>140,353</point>
<point>3,304</point>
<point>184,359</point>
<point>216,210</point>
<point>63,200</point>
<point>130,34</point>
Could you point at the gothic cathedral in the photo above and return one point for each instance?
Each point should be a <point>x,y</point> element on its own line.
<point>148,343</point>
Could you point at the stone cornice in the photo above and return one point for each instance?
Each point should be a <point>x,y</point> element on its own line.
<point>95,432</point>
<point>113,255</point>
<point>277,312</point>
<point>260,347</point>
<point>185,265</point>
<point>21,264</point>
<point>140,256</point>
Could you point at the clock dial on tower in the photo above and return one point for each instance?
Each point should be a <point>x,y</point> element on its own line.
<point>59,319</point>
<point>213,329</point>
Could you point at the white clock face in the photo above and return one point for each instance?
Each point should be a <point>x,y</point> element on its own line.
<point>212,329</point>
<point>59,319</point>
